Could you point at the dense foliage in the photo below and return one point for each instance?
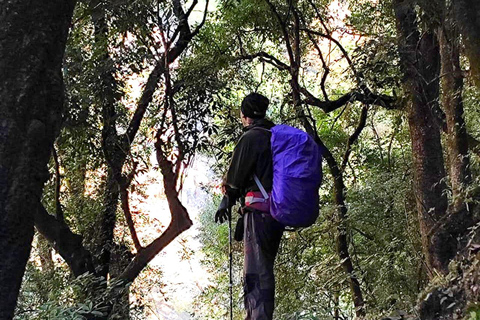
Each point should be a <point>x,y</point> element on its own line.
<point>152,84</point>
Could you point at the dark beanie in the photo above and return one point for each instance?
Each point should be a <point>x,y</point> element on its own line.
<point>255,106</point>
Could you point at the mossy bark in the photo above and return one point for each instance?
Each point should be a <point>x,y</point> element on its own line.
<point>420,62</point>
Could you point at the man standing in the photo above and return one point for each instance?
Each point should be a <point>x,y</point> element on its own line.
<point>252,157</point>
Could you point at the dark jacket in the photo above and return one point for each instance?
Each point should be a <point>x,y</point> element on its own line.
<point>252,155</point>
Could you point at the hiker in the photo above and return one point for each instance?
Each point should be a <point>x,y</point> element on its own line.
<point>261,232</point>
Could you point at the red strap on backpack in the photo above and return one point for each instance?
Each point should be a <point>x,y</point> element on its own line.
<point>255,200</point>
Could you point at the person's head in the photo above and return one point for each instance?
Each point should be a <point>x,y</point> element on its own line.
<point>254,106</point>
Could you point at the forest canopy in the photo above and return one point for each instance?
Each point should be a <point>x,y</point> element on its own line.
<point>109,105</point>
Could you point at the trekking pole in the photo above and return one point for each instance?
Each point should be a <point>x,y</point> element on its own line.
<point>231,260</point>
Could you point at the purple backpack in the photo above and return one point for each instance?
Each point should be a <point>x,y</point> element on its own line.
<point>297,175</point>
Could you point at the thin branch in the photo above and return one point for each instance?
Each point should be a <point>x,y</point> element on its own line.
<point>169,105</point>
<point>144,102</point>
<point>189,11</point>
<point>324,79</point>
<point>319,16</point>
<point>353,138</point>
<point>58,205</point>
<point>354,181</point>
<point>377,139</point>
<point>296,39</point>
<point>197,29</point>
<point>124,196</point>
<point>265,57</point>
<point>339,45</point>
<point>177,134</point>
<point>261,77</point>
<point>324,65</point>
<point>284,31</point>
<point>240,44</point>
<point>338,117</point>
<point>390,146</point>
<point>154,77</point>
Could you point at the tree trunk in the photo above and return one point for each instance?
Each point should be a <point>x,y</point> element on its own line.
<point>342,236</point>
<point>106,97</point>
<point>420,65</point>
<point>467,14</point>
<point>452,102</point>
<point>121,257</point>
<point>454,225</point>
<point>342,242</point>
<point>31,105</point>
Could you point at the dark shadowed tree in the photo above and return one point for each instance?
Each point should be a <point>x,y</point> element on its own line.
<point>467,16</point>
<point>32,47</point>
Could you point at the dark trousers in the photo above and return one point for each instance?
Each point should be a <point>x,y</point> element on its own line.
<point>262,236</point>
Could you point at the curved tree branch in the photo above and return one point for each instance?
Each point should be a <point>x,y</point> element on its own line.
<point>354,136</point>
<point>329,106</point>
<point>265,57</point>
<point>200,25</point>
<point>64,241</point>
<point>342,236</point>
<point>124,184</point>
<point>179,223</point>
<point>286,36</point>
<point>382,100</point>
<point>339,45</point>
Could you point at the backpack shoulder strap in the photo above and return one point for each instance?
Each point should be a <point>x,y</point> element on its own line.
<point>257,181</point>
<point>261,128</point>
<point>260,186</point>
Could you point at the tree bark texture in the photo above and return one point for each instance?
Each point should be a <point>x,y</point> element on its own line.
<point>420,65</point>
<point>454,225</point>
<point>452,102</point>
<point>32,46</point>
<point>467,14</point>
